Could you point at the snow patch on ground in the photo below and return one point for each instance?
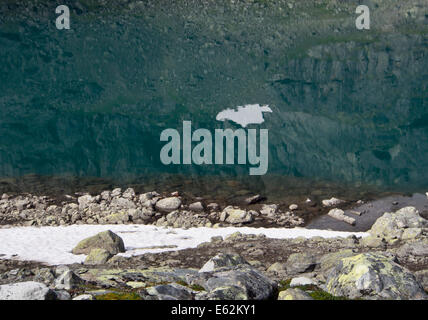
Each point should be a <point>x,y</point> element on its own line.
<point>53,245</point>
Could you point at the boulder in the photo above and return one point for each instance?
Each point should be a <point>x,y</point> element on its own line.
<point>415,252</point>
<point>84,297</point>
<point>170,292</point>
<point>254,285</point>
<point>277,267</point>
<point>301,281</point>
<point>129,194</point>
<point>372,276</point>
<point>118,218</point>
<point>329,260</point>
<point>62,295</point>
<point>332,202</point>
<point>372,242</point>
<point>294,294</point>
<point>68,280</point>
<point>300,263</point>
<point>196,206</point>
<point>104,240</point>
<point>422,277</point>
<point>224,293</point>
<point>29,290</point>
<point>393,226</point>
<point>235,215</point>
<point>85,201</point>
<point>168,204</point>
<point>121,203</point>
<point>339,214</point>
<point>254,199</point>
<point>222,261</point>
<point>97,256</point>
<point>269,210</point>
<point>293,207</point>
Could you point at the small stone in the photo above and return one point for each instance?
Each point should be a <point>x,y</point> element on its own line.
<point>294,294</point>
<point>116,192</point>
<point>84,297</point>
<point>254,199</point>
<point>293,207</point>
<point>196,206</point>
<point>168,204</point>
<point>332,202</point>
<point>213,206</point>
<point>277,267</point>
<point>301,281</point>
<point>235,215</point>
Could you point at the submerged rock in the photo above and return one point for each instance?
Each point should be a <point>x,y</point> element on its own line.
<point>332,202</point>
<point>373,276</point>
<point>107,240</point>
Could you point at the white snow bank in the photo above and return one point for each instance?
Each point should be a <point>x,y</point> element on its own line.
<point>53,245</point>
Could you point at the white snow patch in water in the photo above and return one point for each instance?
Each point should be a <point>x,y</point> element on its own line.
<point>245,115</point>
<point>53,245</point>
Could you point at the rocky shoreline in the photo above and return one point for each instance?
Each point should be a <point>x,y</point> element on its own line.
<point>390,263</point>
<point>123,207</point>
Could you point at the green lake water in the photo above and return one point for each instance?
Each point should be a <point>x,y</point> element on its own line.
<point>348,107</point>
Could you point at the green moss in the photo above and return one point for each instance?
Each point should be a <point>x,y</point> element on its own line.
<point>194,287</point>
<point>197,287</point>
<point>284,285</point>
<point>322,295</point>
<point>119,296</point>
<point>182,283</point>
<point>315,292</point>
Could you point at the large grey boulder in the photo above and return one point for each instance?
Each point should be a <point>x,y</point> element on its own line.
<point>222,261</point>
<point>373,276</point>
<point>404,224</point>
<point>301,262</point>
<point>168,204</point>
<point>29,290</point>
<point>253,284</point>
<point>170,292</point>
<point>104,240</point>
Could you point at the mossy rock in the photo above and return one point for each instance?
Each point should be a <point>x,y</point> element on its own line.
<point>106,240</point>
